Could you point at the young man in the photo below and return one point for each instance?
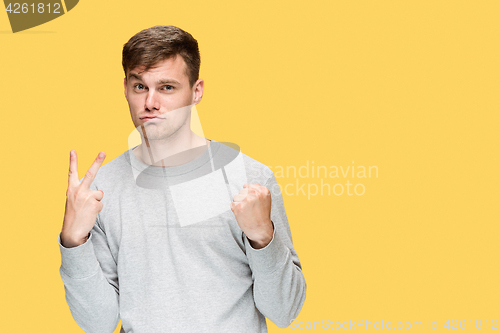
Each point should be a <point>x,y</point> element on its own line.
<point>185,239</point>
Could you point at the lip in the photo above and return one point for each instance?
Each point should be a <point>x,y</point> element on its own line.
<point>151,119</point>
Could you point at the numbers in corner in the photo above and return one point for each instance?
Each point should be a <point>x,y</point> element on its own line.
<point>24,8</point>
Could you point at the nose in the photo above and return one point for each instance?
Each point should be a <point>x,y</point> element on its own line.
<point>152,102</point>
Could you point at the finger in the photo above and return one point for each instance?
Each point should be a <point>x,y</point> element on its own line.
<point>91,173</point>
<point>100,206</point>
<point>73,169</point>
<point>240,197</point>
<point>255,186</point>
<point>98,195</point>
<point>233,205</point>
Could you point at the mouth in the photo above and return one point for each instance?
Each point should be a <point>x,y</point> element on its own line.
<point>151,119</point>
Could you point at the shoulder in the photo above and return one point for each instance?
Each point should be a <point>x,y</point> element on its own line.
<point>256,171</point>
<point>112,171</point>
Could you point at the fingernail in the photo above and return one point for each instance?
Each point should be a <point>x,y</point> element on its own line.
<point>101,155</point>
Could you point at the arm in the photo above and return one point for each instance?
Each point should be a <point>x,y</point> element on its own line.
<point>279,284</point>
<point>91,282</point>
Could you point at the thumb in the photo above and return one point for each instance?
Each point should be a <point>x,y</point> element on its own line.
<point>99,195</point>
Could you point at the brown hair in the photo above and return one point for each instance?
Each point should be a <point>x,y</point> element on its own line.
<point>150,46</point>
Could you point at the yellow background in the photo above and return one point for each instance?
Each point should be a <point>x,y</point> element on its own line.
<point>409,87</point>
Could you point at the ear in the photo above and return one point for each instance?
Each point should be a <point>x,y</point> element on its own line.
<point>125,86</point>
<point>199,85</point>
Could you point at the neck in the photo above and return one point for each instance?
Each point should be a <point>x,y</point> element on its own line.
<point>173,151</point>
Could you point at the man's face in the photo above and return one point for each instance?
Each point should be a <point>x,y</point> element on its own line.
<point>162,92</point>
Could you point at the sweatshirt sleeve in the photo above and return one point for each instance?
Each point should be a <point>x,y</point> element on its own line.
<point>279,286</point>
<point>91,282</point>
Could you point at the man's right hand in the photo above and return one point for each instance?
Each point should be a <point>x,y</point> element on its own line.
<point>82,203</point>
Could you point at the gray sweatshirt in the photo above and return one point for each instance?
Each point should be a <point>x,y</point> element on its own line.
<point>166,253</point>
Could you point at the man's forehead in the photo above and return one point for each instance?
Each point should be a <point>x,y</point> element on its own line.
<point>158,79</point>
<point>174,64</point>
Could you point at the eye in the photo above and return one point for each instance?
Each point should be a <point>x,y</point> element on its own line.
<point>139,86</point>
<point>168,86</point>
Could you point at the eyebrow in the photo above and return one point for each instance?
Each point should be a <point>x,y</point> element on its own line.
<point>161,81</point>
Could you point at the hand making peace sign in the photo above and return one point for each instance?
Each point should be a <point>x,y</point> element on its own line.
<point>82,203</point>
